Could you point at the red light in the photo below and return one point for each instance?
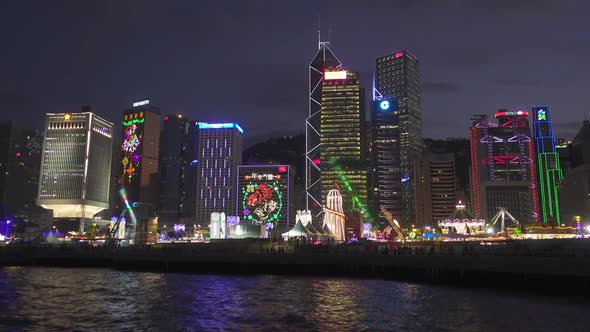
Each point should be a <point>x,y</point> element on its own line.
<point>282,169</point>
<point>166,118</point>
<point>317,161</point>
<point>278,177</point>
<point>18,154</point>
<point>399,54</point>
<point>315,204</point>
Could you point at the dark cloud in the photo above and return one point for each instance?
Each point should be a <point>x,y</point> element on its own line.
<point>440,87</point>
<point>569,125</point>
<point>516,83</point>
<point>515,7</point>
<point>468,57</point>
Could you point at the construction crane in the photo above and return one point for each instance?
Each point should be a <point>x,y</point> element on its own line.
<point>392,222</point>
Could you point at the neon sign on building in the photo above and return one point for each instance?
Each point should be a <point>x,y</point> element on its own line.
<point>133,126</point>
<point>550,173</point>
<point>263,194</point>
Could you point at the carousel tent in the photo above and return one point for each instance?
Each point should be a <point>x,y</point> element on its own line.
<point>327,230</point>
<point>313,230</point>
<point>461,222</point>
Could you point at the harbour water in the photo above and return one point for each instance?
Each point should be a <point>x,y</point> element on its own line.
<point>58,299</point>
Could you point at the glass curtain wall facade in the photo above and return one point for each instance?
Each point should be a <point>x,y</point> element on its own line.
<point>398,77</point>
<point>343,139</point>
<point>175,159</point>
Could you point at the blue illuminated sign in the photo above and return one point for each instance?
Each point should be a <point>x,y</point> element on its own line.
<point>405,179</point>
<point>205,125</point>
<point>384,105</point>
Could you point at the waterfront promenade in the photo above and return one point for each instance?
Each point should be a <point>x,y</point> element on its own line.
<point>535,264</point>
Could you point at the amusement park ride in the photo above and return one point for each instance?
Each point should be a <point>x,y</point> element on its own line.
<point>502,225</point>
<point>393,224</point>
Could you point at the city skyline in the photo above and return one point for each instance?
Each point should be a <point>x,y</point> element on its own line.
<point>484,67</point>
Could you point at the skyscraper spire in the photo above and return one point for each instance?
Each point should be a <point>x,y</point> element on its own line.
<point>324,58</point>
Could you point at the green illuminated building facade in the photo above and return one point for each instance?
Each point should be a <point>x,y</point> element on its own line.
<point>550,173</point>
<point>343,139</point>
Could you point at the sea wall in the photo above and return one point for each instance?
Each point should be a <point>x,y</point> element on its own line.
<point>557,265</point>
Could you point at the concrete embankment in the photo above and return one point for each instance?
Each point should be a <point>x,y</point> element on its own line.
<point>562,266</point>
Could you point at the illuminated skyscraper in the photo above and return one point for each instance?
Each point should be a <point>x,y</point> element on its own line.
<point>503,172</point>
<point>385,149</point>
<point>176,162</point>
<point>343,138</point>
<point>140,149</point>
<point>220,153</point>
<point>550,174</point>
<point>324,59</point>
<point>75,167</point>
<point>398,77</point>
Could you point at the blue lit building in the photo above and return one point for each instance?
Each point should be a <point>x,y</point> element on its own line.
<point>219,150</point>
<point>550,174</point>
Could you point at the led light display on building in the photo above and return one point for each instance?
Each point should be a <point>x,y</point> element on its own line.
<point>387,105</point>
<point>335,75</point>
<point>550,173</point>
<point>133,125</point>
<point>263,194</point>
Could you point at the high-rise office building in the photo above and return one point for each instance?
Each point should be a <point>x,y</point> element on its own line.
<point>398,77</point>
<point>563,147</point>
<point>549,170</point>
<point>386,177</point>
<point>220,153</point>
<point>139,161</point>
<point>580,149</point>
<point>75,167</point>
<point>176,162</point>
<point>574,190</point>
<point>20,160</point>
<point>503,172</point>
<point>434,187</point>
<point>342,143</point>
<point>323,60</point>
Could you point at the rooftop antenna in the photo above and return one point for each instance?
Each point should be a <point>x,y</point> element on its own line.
<point>319,33</point>
<point>329,34</point>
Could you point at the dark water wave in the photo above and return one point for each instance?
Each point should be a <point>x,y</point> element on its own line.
<point>57,299</point>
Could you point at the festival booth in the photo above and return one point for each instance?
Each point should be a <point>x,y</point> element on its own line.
<point>299,231</point>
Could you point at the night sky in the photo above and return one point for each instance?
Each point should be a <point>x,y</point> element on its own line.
<point>246,61</point>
